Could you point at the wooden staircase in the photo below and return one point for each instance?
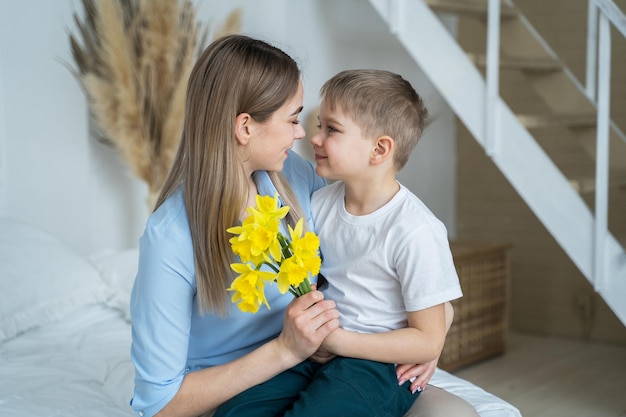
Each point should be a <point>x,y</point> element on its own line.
<point>561,194</point>
<point>567,102</point>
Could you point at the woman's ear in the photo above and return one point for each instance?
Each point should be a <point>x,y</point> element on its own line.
<point>383,150</point>
<point>242,128</point>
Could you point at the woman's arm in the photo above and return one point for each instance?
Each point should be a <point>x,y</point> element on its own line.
<point>420,342</point>
<point>308,320</point>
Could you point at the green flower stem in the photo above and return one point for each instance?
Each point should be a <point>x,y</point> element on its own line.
<point>285,246</point>
<point>303,288</point>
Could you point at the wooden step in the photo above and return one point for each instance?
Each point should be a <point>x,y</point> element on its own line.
<point>470,8</point>
<point>537,121</point>
<point>520,63</point>
<point>617,146</point>
<point>588,185</point>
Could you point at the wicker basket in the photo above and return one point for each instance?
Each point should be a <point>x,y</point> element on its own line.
<point>480,317</point>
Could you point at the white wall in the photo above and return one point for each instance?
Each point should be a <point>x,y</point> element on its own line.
<point>3,140</point>
<point>54,175</point>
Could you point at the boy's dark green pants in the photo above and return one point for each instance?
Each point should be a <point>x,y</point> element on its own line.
<point>342,387</point>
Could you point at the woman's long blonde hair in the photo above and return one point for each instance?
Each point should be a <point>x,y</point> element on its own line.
<point>235,74</point>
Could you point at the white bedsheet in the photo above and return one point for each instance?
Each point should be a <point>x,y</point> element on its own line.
<point>487,405</point>
<point>79,366</point>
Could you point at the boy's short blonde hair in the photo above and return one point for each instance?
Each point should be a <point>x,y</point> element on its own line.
<point>380,103</point>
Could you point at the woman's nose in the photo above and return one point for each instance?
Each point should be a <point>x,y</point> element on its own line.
<point>300,132</point>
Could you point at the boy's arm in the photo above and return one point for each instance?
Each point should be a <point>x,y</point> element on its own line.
<point>421,373</point>
<point>420,342</point>
<point>449,315</point>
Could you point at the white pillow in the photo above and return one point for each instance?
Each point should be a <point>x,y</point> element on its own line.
<point>118,270</point>
<point>41,279</point>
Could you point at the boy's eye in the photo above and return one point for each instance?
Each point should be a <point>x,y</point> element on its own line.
<point>327,127</point>
<point>296,122</point>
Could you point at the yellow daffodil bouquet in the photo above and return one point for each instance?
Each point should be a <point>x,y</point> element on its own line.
<point>258,242</point>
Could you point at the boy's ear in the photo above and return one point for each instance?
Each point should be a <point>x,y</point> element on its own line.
<point>242,128</point>
<point>383,150</point>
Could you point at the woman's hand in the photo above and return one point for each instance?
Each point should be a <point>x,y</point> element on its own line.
<point>421,372</point>
<point>308,320</point>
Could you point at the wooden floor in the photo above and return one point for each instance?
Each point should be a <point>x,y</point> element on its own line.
<point>556,377</point>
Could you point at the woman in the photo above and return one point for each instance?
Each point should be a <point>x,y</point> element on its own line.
<point>193,349</point>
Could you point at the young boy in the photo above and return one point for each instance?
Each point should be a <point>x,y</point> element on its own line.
<point>386,257</point>
<point>386,260</point>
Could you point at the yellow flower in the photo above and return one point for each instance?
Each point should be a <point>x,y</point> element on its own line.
<point>312,264</point>
<point>267,214</point>
<point>243,248</point>
<point>291,274</point>
<point>257,235</point>
<point>305,247</point>
<point>269,207</point>
<point>249,287</point>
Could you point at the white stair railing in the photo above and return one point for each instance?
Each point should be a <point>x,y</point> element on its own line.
<point>518,156</point>
<point>599,41</point>
<point>493,78</point>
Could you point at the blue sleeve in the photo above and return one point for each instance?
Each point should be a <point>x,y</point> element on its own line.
<point>161,310</point>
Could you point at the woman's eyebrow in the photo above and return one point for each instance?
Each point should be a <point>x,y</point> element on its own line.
<point>298,111</point>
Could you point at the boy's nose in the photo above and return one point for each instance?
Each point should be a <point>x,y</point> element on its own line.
<point>315,139</point>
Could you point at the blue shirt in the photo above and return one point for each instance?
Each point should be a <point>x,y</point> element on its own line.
<point>169,335</point>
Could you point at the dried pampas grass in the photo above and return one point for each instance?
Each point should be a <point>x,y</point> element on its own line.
<point>133,59</point>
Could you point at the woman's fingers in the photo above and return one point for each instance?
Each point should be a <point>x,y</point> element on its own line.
<point>420,374</point>
<point>308,320</point>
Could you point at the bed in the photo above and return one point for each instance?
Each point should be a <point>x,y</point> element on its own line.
<point>65,331</point>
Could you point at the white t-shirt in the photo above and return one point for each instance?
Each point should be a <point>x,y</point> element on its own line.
<point>382,265</point>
